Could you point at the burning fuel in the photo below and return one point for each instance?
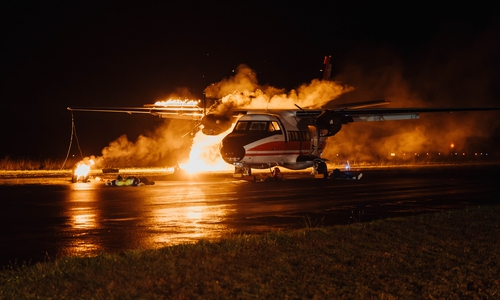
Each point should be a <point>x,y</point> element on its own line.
<point>81,170</point>
<point>178,103</point>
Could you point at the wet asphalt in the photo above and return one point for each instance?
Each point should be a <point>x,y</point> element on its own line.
<point>53,217</point>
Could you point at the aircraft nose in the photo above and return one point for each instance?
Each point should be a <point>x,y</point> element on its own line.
<point>232,149</point>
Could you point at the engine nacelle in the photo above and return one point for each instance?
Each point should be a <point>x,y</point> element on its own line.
<point>328,123</point>
<point>214,124</point>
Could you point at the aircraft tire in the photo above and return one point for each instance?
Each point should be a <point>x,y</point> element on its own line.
<point>322,169</point>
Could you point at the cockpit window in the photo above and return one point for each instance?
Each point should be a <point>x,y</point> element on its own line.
<point>258,126</point>
<point>242,125</point>
<point>272,126</point>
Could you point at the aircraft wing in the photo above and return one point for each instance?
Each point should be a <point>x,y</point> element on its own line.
<point>348,112</point>
<point>330,120</point>
<point>388,114</point>
<point>385,114</point>
<point>179,111</point>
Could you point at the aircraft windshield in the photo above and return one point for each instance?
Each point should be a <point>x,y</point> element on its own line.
<point>258,126</point>
<point>242,125</point>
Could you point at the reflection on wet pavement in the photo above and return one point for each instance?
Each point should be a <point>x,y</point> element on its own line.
<point>41,220</point>
<point>137,218</point>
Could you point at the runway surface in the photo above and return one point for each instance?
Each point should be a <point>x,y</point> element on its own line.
<point>51,217</point>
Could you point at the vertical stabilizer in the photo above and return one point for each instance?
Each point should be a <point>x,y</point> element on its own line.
<point>327,72</point>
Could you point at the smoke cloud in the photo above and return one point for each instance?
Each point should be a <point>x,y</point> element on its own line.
<point>243,91</point>
<point>163,147</point>
<point>169,144</point>
<point>440,75</point>
<point>435,77</point>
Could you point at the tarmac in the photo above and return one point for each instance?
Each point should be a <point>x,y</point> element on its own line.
<point>45,216</point>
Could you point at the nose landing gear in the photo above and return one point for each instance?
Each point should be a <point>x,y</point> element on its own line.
<point>242,169</point>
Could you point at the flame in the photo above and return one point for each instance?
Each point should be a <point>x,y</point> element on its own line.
<point>178,103</point>
<point>83,168</point>
<point>205,154</point>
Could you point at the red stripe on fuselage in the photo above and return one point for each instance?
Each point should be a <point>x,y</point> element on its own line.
<point>273,153</point>
<point>298,146</point>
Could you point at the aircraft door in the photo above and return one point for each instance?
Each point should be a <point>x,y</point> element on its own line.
<point>318,142</point>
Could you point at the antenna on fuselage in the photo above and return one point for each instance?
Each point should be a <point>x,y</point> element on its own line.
<point>204,103</point>
<point>299,108</point>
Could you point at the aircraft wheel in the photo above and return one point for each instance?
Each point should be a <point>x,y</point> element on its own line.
<point>322,169</point>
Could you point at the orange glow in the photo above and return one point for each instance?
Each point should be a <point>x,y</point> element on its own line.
<point>83,215</point>
<point>194,218</point>
<point>178,103</point>
<point>452,145</point>
<point>205,154</point>
<point>83,168</point>
<point>239,91</point>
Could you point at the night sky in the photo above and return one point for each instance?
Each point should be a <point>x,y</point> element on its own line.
<point>122,53</point>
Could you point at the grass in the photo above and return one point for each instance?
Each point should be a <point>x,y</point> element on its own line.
<point>449,255</point>
<point>13,164</point>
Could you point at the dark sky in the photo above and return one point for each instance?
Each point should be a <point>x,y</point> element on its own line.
<point>126,53</point>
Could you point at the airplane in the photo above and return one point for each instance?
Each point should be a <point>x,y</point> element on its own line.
<point>261,139</point>
<point>290,138</point>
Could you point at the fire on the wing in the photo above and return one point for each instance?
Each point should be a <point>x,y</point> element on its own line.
<point>185,105</point>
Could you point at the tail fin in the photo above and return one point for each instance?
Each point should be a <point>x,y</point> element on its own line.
<point>327,72</point>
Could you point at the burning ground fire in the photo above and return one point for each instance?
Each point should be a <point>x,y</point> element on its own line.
<point>81,170</point>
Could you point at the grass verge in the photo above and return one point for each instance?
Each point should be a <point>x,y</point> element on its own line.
<point>445,255</point>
